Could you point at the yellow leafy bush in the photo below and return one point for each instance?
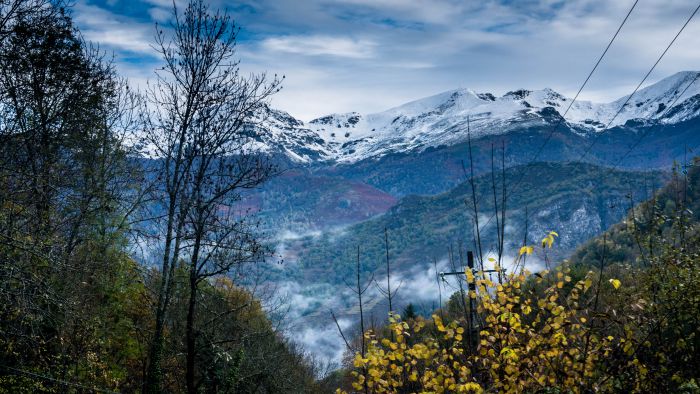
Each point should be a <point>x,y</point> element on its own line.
<point>521,341</point>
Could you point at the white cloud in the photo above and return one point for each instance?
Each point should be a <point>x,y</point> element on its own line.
<point>426,11</point>
<point>324,341</point>
<point>491,47</point>
<point>119,38</point>
<point>308,321</point>
<point>321,46</point>
<point>113,32</point>
<point>366,56</point>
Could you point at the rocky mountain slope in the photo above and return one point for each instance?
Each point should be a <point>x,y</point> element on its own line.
<point>421,147</point>
<point>629,240</point>
<point>446,118</point>
<point>572,199</point>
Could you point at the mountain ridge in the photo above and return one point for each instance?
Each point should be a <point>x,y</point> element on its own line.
<point>446,118</point>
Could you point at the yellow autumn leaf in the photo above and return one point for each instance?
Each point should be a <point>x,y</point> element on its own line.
<point>526,250</point>
<point>470,275</point>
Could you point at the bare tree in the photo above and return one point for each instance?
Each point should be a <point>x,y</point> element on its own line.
<point>388,292</point>
<point>12,11</point>
<point>359,289</point>
<point>198,129</point>
<point>475,207</point>
<point>500,221</point>
<point>388,270</point>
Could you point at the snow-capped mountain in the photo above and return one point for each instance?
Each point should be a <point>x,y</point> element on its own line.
<point>278,133</point>
<point>446,118</point>
<point>651,103</point>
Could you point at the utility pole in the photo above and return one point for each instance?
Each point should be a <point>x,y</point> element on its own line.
<point>472,290</point>
<point>388,272</point>
<point>473,329</point>
<point>437,277</point>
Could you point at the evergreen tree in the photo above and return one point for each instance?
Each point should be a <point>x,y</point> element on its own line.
<point>409,312</point>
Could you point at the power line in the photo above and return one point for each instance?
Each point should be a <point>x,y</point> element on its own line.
<point>668,110</point>
<point>571,103</point>
<point>646,132</point>
<point>622,107</point>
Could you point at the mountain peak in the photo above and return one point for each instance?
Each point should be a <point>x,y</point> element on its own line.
<point>445,118</point>
<point>346,120</point>
<point>517,94</point>
<point>671,87</point>
<point>654,102</point>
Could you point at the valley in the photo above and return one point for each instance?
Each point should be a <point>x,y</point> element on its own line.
<point>349,197</point>
<point>407,170</point>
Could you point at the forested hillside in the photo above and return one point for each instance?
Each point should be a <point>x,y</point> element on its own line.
<point>573,198</point>
<point>621,317</point>
<point>176,232</point>
<point>81,308</point>
<point>672,212</point>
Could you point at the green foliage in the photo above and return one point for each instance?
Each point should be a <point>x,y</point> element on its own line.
<point>76,309</point>
<point>409,312</point>
<point>420,227</point>
<point>618,322</point>
<point>238,347</point>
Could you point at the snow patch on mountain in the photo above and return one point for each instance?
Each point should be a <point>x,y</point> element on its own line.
<point>447,118</point>
<point>277,132</point>
<point>651,103</point>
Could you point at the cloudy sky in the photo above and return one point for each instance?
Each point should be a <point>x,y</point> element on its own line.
<point>370,55</point>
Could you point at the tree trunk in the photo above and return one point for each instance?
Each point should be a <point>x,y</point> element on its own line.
<point>154,376</point>
<point>189,330</point>
<point>191,350</point>
<point>153,381</point>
